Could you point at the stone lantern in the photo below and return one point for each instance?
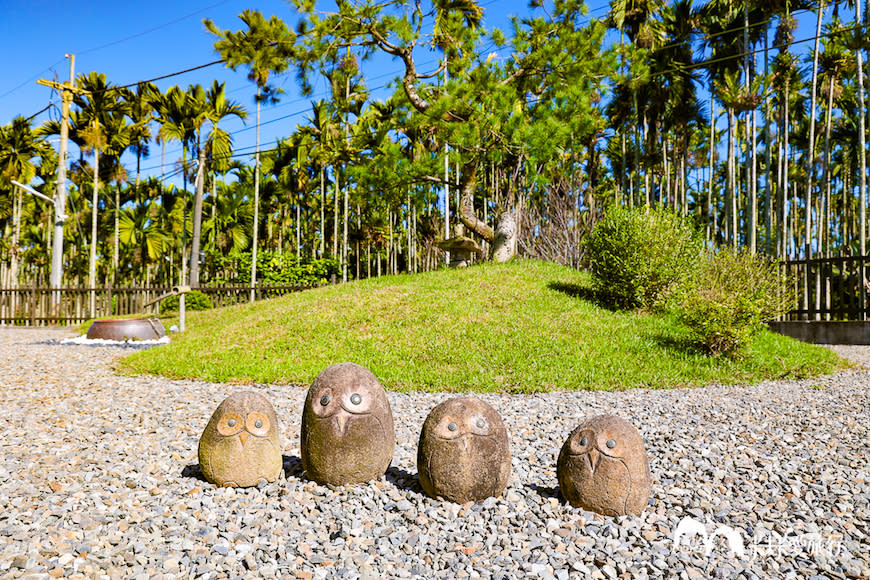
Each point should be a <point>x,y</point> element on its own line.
<point>461,248</point>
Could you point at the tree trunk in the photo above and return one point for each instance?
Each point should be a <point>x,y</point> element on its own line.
<point>197,220</point>
<point>16,236</point>
<point>253,295</point>
<point>322,211</point>
<point>753,191</point>
<point>731,193</point>
<point>785,167</point>
<point>299,227</point>
<point>862,174</point>
<point>826,179</point>
<point>768,198</point>
<point>117,237</point>
<point>811,152</point>
<point>712,203</point>
<point>335,236</point>
<point>466,203</point>
<point>344,252</point>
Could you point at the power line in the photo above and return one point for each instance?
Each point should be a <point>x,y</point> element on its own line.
<point>150,30</point>
<point>160,78</point>
<point>693,65</point>
<point>31,79</point>
<point>47,107</point>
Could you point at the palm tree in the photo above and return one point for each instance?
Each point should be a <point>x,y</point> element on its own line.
<point>832,63</point>
<point>141,231</point>
<point>141,113</point>
<point>324,130</point>
<point>99,107</point>
<point>180,114</point>
<point>265,47</point>
<point>19,147</point>
<point>636,19</point>
<point>218,143</point>
<point>862,179</point>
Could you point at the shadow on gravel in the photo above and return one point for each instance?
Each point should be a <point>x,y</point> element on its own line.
<point>192,471</point>
<point>404,480</point>
<point>292,466</point>
<point>545,492</point>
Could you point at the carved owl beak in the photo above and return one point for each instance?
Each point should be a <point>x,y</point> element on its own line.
<point>594,458</point>
<point>463,443</point>
<point>341,421</point>
<point>243,436</point>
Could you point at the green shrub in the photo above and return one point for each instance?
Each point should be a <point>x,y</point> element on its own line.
<point>637,255</point>
<point>193,300</point>
<point>274,268</point>
<point>727,300</point>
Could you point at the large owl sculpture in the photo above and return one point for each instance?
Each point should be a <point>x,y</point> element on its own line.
<point>347,427</point>
<point>603,467</point>
<point>464,453</point>
<point>240,446</point>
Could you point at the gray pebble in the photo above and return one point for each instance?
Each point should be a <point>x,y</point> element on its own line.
<point>104,466</point>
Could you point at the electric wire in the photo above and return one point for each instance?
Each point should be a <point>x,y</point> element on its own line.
<point>689,66</point>
<point>150,30</point>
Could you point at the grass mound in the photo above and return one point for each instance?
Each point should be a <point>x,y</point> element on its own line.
<point>525,326</point>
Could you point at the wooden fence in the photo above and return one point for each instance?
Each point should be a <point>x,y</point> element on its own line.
<point>33,306</point>
<point>830,288</point>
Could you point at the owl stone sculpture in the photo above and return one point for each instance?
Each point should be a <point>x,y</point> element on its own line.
<point>347,427</point>
<point>603,467</point>
<point>464,453</point>
<point>240,446</point>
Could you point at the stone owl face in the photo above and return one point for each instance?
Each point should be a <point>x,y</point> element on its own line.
<point>347,427</point>
<point>464,453</point>
<point>240,446</point>
<point>603,467</point>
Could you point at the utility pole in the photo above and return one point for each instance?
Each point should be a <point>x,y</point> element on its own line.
<point>66,91</point>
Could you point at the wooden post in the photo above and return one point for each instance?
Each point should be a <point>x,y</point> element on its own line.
<point>33,304</point>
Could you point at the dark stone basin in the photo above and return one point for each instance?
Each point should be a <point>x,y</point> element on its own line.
<point>127,329</point>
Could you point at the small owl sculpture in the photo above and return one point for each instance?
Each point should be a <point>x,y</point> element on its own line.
<point>603,467</point>
<point>240,446</point>
<point>464,453</point>
<point>347,427</point>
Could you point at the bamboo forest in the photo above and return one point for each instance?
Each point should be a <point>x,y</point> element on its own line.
<point>707,109</point>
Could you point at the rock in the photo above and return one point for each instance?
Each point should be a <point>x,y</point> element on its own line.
<point>603,467</point>
<point>347,427</point>
<point>464,453</point>
<point>240,446</point>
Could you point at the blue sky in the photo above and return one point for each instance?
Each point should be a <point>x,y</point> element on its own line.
<point>133,41</point>
<point>142,40</point>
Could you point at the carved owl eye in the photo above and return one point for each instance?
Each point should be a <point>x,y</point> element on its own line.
<point>580,443</point>
<point>357,401</point>
<point>257,424</point>
<point>230,424</point>
<point>323,402</point>
<point>448,428</point>
<point>478,425</point>
<point>609,445</point>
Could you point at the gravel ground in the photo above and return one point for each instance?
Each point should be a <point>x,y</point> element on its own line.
<point>98,478</point>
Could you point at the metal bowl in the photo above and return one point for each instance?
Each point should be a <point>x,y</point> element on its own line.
<point>127,329</point>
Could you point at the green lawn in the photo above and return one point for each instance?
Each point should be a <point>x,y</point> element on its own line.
<point>521,327</point>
